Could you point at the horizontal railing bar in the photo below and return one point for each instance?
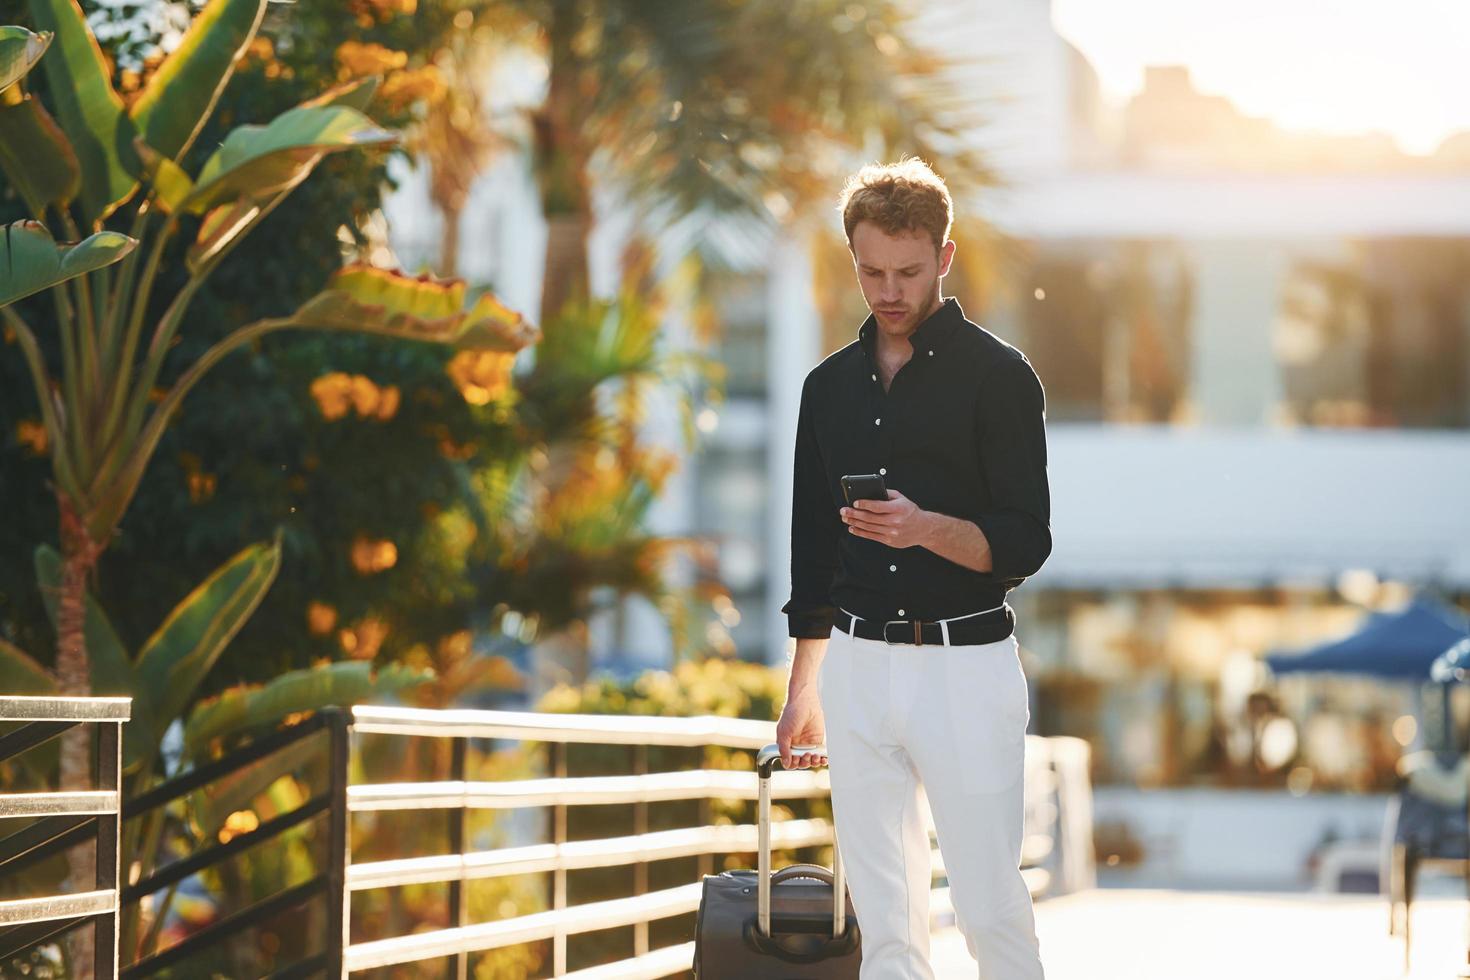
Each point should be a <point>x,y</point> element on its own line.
<point>223,766</point>
<point>604,853</point>
<point>211,934</point>
<point>74,804</point>
<point>15,707</point>
<point>555,727</point>
<point>216,853</point>
<point>42,838</point>
<point>30,735</point>
<point>19,911</point>
<point>650,966</point>
<point>525,928</point>
<point>15,940</point>
<point>581,790</point>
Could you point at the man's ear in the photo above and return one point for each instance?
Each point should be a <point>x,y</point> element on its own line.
<point>946,257</point>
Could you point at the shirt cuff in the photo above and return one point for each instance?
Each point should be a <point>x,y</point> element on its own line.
<point>1016,551</point>
<point>815,624</point>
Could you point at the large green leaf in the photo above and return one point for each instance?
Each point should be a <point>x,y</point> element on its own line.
<point>258,161</point>
<point>35,154</point>
<point>19,50</point>
<point>211,806</point>
<point>371,300</point>
<point>110,669</point>
<point>171,186</point>
<point>30,260</point>
<point>178,656</point>
<point>245,709</point>
<point>225,222</point>
<point>91,113</point>
<point>19,674</point>
<point>181,94</point>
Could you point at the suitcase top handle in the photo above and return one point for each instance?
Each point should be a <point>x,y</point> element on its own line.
<point>766,758</point>
<point>765,761</point>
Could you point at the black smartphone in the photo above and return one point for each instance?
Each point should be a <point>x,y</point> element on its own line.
<point>865,486</point>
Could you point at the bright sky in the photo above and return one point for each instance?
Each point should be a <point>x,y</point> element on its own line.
<point>1400,66</point>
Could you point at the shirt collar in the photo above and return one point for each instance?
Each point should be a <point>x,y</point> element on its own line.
<point>930,332</point>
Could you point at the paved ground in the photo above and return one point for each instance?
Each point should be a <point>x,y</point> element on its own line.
<point>1147,934</point>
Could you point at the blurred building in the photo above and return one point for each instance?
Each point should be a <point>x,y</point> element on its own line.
<point>1256,352</point>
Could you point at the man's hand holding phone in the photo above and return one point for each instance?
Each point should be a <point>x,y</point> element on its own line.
<point>879,514</point>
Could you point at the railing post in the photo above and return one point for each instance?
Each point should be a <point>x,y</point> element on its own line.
<point>109,833</point>
<point>706,816</point>
<point>640,870</point>
<point>339,844</point>
<point>559,876</point>
<point>459,913</point>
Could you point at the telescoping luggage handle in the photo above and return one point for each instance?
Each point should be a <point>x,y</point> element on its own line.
<point>765,762</point>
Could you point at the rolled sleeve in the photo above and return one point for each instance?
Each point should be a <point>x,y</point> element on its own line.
<point>1012,427</point>
<point>816,530</point>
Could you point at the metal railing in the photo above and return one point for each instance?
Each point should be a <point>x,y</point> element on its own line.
<point>1054,766</point>
<point>1054,856</point>
<point>61,820</point>
<point>327,885</point>
<point>559,856</point>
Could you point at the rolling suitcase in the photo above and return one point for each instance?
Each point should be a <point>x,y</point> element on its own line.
<point>790,925</point>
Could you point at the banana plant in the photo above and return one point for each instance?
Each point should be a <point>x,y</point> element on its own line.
<point>97,160</point>
<point>164,678</point>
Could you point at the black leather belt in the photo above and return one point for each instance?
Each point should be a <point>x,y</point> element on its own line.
<point>974,628</point>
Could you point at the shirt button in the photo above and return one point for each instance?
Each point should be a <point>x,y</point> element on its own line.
<point>877,421</point>
<point>893,568</point>
<point>931,353</point>
<point>875,377</point>
<point>900,612</point>
<point>882,471</point>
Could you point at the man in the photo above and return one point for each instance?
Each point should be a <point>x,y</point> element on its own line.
<point>906,662</point>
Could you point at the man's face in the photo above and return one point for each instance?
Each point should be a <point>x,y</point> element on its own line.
<point>899,275</point>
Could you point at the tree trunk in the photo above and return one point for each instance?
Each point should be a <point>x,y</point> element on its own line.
<point>78,557</point>
<point>449,241</point>
<point>566,262</point>
<point>562,160</point>
<point>561,163</point>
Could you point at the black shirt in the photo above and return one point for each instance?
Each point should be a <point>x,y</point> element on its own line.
<point>960,431</point>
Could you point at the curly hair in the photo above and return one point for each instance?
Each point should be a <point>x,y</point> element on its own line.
<point>898,197</point>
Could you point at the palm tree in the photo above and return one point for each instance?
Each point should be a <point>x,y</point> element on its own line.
<point>736,106</point>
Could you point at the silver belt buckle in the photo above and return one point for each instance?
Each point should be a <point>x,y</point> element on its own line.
<point>885,631</point>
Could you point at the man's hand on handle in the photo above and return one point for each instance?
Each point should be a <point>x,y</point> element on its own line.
<point>803,727</point>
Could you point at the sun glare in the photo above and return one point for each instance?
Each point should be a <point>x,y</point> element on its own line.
<point>1364,67</point>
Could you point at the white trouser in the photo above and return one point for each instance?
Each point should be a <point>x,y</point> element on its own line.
<point>947,722</point>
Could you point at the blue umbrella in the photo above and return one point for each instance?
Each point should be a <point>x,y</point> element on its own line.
<point>1399,645</point>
